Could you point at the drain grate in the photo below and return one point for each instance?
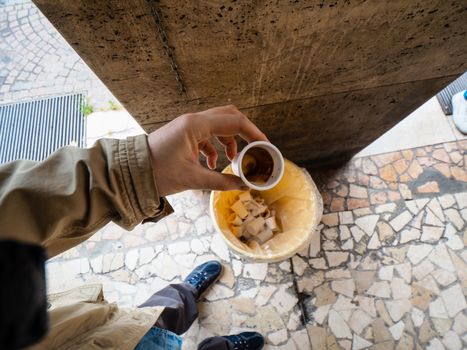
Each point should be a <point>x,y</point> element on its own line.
<point>34,129</point>
<point>445,96</point>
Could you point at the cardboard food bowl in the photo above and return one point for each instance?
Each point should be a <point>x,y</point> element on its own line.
<point>298,206</point>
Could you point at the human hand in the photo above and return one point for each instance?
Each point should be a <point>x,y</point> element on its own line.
<point>175,149</point>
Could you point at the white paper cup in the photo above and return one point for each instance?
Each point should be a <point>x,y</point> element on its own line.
<point>277,165</point>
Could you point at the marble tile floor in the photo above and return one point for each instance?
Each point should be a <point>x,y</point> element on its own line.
<point>389,274</point>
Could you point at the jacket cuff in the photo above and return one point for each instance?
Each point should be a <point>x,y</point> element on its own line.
<point>139,180</point>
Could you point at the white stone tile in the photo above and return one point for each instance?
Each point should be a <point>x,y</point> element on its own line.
<point>464,214</point>
<point>264,294</point>
<point>198,247</point>
<point>359,343</point>
<point>409,234</point>
<point>179,248</point>
<point>367,223</point>
<point>237,267</point>
<point>367,304</point>
<point>283,301</point>
<point>348,244</point>
<point>437,309</point>
<point>277,337</point>
<point>417,253</point>
<point>385,273</point>
<point>453,240</point>
<point>431,234</point>
<point>255,271</point>
<point>443,277</point>
<point>440,257</point>
<point>219,247</point>
<point>400,289</point>
<point>345,287</point>
<point>345,344</point>
<point>435,344</point>
<point>299,265</point>
<point>453,216</point>
<point>432,219</point>
<point>405,271</point>
<point>301,339</point>
<point>446,201</point>
<point>344,232</point>
<point>397,329</point>
<point>374,242</point>
<point>380,289</point>
<point>436,208</point>
<point>285,266</point>
<point>454,300</point>
<point>345,217</point>
<point>338,326</point>
<point>315,244</point>
<point>295,320</point>
<point>218,291</point>
<point>423,269</point>
<point>398,308</point>
<point>318,263</point>
<point>321,313</point>
<point>428,282</point>
<point>461,199</point>
<point>359,321</point>
<point>417,220</point>
<point>417,317</point>
<point>357,233</point>
<point>336,258</point>
<point>146,254</point>
<point>358,191</point>
<point>165,266</point>
<point>96,264</point>
<point>401,220</point>
<point>452,341</point>
<point>460,324</point>
<point>227,276</point>
<point>412,206</point>
<point>385,208</point>
<point>343,303</point>
<point>337,274</point>
<point>330,233</point>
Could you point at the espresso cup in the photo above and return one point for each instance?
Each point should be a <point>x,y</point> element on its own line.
<point>260,165</point>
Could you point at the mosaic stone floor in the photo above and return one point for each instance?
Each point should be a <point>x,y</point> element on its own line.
<point>36,61</point>
<point>388,270</point>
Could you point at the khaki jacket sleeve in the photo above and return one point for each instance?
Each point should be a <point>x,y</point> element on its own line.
<point>62,201</point>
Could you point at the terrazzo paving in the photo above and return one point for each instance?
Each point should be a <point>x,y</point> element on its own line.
<point>388,275</point>
<point>36,61</point>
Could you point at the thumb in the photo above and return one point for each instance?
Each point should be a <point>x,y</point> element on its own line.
<point>213,180</point>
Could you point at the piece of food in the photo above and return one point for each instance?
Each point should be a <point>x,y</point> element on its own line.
<point>239,208</point>
<point>252,221</point>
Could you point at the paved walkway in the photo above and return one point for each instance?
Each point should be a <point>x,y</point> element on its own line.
<point>389,271</point>
<point>36,61</point>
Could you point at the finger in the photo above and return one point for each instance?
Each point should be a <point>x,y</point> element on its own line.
<point>230,146</point>
<point>208,150</point>
<point>213,180</point>
<point>229,121</point>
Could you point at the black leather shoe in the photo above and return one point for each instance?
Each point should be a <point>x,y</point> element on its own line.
<point>246,341</point>
<point>203,276</point>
